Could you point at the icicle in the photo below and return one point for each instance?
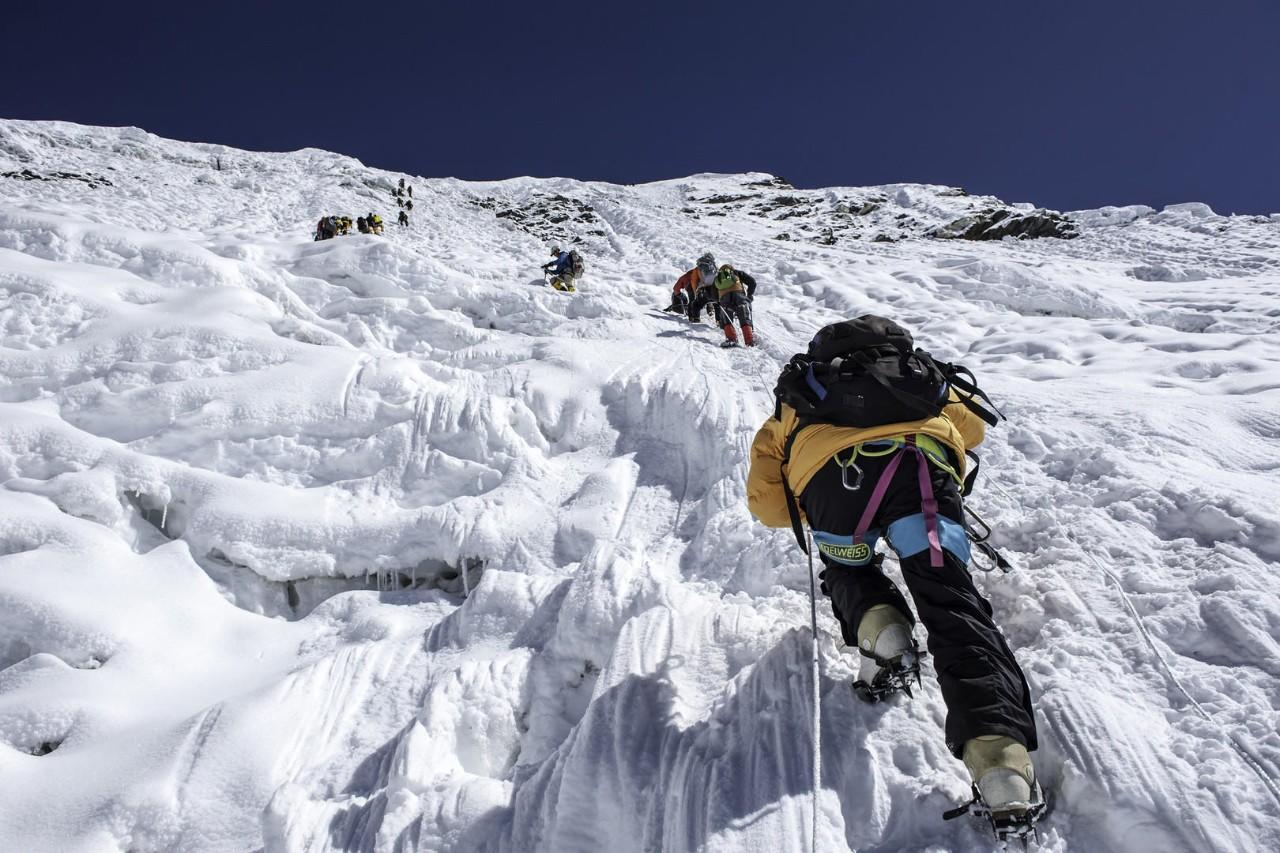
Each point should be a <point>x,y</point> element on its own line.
<point>164,518</point>
<point>466,582</point>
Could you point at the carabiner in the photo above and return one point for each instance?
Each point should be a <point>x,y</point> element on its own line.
<point>844,471</point>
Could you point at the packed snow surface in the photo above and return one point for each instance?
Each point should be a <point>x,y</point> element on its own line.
<point>377,543</point>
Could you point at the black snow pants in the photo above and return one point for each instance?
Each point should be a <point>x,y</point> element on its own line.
<point>736,304</point>
<point>982,685</point>
<point>706,296</point>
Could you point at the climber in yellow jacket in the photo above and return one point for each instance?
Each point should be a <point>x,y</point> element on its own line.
<point>871,458</point>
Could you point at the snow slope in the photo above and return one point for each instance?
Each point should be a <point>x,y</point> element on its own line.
<point>378,544</point>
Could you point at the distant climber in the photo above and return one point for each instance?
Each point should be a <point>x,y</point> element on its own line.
<point>332,226</point>
<point>399,201</point>
<point>404,218</point>
<point>362,225</point>
<point>734,300</point>
<point>375,223</point>
<point>402,183</point>
<point>694,290</point>
<point>868,439</point>
<point>410,190</point>
<point>565,270</point>
<point>408,205</point>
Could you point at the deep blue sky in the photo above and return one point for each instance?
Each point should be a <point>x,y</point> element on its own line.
<point>1069,105</point>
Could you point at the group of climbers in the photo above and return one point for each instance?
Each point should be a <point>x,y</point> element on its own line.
<point>870,440</point>
<point>339,226</point>
<point>727,291</point>
<point>332,226</point>
<point>404,200</point>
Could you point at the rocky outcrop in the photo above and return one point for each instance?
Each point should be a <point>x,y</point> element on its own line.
<point>546,216</point>
<point>998,223</point>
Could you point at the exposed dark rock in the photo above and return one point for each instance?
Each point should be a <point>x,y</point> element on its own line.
<point>783,236</point>
<point>996,224</point>
<point>543,216</point>
<point>94,181</point>
<point>774,182</point>
<point>724,199</point>
<point>869,207</point>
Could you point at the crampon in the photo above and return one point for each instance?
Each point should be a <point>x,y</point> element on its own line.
<point>895,676</point>
<point>1014,821</point>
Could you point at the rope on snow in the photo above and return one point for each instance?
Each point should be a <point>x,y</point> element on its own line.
<point>1236,743</point>
<point>1232,737</point>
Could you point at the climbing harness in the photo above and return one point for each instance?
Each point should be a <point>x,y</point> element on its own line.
<point>928,501</point>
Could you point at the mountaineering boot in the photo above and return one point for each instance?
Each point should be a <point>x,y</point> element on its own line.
<point>748,335</point>
<point>731,337</point>
<point>1005,791</point>
<point>1003,773</point>
<point>890,656</point>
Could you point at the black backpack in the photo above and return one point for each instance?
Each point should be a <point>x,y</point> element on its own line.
<point>867,372</point>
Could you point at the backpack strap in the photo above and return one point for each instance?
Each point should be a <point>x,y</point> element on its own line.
<point>793,507</point>
<point>968,387</point>
<point>972,477</point>
<point>863,360</point>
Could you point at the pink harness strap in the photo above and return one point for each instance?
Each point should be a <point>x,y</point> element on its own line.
<point>928,501</point>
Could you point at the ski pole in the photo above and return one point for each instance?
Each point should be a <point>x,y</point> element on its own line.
<point>816,664</point>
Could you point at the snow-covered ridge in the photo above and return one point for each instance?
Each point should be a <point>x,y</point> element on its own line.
<point>376,543</point>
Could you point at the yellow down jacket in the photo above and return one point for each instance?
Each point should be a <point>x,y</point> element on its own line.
<point>956,427</point>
